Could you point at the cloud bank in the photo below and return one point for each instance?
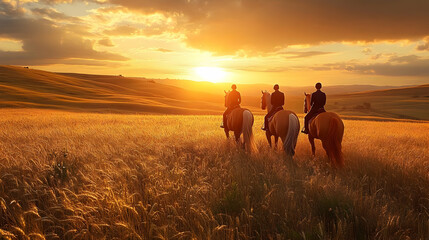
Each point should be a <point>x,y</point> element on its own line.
<point>226,26</point>
<point>46,42</point>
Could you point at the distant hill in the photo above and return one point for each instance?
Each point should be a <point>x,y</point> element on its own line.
<point>22,87</point>
<point>408,102</point>
<point>29,88</point>
<point>254,90</point>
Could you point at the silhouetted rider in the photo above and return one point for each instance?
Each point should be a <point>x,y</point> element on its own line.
<point>317,103</point>
<point>233,102</point>
<point>277,102</point>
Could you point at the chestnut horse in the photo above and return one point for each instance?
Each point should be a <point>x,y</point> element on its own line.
<point>284,124</point>
<point>329,128</point>
<point>240,120</point>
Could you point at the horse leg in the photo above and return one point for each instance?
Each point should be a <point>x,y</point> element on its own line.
<point>313,147</point>
<point>226,132</point>
<point>329,152</point>
<point>237,135</point>
<point>276,140</point>
<point>268,134</point>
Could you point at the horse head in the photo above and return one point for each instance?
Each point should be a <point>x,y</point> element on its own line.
<point>307,99</point>
<point>226,97</point>
<point>265,100</point>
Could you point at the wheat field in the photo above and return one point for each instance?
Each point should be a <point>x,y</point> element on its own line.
<point>111,176</point>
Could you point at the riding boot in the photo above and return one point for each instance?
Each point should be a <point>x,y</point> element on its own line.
<point>223,122</point>
<point>265,127</point>
<point>304,130</point>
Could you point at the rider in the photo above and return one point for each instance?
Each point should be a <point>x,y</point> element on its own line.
<point>277,102</point>
<point>233,102</point>
<point>318,101</point>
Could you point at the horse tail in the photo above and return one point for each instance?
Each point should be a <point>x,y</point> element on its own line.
<point>247,130</point>
<point>335,137</point>
<point>289,143</point>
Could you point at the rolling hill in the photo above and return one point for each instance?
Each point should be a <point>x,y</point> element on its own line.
<point>22,87</point>
<point>254,90</point>
<point>29,88</point>
<point>405,103</point>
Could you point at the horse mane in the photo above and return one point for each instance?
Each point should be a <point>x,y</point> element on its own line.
<point>267,96</point>
<point>307,101</point>
<point>226,97</point>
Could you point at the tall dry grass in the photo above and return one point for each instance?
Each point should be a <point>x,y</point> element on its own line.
<point>105,176</point>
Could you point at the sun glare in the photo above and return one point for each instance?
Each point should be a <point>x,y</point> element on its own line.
<point>210,74</point>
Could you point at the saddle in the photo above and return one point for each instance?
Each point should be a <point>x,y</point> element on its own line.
<point>275,111</point>
<point>235,118</point>
<point>232,109</point>
<point>319,111</point>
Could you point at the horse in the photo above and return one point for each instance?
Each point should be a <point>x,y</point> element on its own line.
<point>329,128</point>
<point>284,124</point>
<point>240,120</point>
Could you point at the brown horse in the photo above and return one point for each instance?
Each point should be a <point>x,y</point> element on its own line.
<point>240,120</point>
<point>284,124</point>
<point>329,128</point>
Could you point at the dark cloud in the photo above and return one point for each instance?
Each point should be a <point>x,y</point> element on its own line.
<point>164,50</point>
<point>106,42</point>
<point>404,59</point>
<point>7,9</point>
<point>53,14</point>
<point>424,46</point>
<point>53,2</point>
<point>79,29</point>
<point>410,65</point>
<point>43,42</point>
<point>376,56</point>
<point>367,51</point>
<point>226,26</point>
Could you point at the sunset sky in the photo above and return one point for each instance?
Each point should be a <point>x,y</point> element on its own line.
<point>383,42</point>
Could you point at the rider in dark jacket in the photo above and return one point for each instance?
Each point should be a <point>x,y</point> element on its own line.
<point>277,102</point>
<point>233,102</point>
<point>318,101</point>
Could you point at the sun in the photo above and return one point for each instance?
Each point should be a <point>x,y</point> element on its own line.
<point>210,74</point>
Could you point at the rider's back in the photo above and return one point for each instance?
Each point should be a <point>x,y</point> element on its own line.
<point>234,98</point>
<point>277,99</point>
<point>318,99</point>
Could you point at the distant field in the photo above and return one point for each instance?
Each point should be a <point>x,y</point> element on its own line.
<point>405,103</point>
<point>29,88</point>
<point>105,176</point>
